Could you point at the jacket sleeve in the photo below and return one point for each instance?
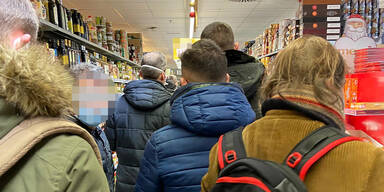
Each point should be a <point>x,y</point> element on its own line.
<point>376,177</point>
<point>84,171</point>
<point>210,178</point>
<point>110,131</point>
<point>148,179</point>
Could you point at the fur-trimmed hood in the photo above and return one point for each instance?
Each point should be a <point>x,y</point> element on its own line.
<point>35,82</point>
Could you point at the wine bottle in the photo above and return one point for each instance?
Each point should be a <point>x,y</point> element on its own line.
<point>46,6</point>
<point>81,23</point>
<point>76,22</point>
<point>65,18</point>
<point>59,13</point>
<point>64,53</point>
<point>69,23</point>
<point>53,18</point>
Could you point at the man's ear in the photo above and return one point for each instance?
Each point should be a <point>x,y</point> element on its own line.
<point>141,74</point>
<point>227,78</point>
<point>162,77</point>
<point>20,40</point>
<point>183,81</point>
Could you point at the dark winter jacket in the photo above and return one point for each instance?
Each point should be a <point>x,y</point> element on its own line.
<point>142,109</point>
<point>105,150</point>
<point>248,72</point>
<point>176,157</point>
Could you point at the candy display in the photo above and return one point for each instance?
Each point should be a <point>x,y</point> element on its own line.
<point>370,11</point>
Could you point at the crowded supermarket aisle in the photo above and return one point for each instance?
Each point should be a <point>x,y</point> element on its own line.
<point>191,95</point>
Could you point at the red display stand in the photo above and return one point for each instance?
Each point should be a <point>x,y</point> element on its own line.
<point>364,103</point>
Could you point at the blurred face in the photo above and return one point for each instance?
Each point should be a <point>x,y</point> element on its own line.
<point>93,97</point>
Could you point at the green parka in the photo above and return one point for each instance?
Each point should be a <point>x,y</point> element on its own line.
<point>33,84</point>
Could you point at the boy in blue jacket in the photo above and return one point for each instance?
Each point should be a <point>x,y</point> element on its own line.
<point>207,106</point>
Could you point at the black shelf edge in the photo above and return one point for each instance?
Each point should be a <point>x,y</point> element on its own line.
<point>47,26</point>
<point>270,54</point>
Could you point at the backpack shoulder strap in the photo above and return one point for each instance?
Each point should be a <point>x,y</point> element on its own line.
<point>30,132</point>
<point>231,147</point>
<point>315,146</point>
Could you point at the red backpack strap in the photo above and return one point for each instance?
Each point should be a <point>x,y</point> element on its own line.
<point>231,147</point>
<point>314,147</point>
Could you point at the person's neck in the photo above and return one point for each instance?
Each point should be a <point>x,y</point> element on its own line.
<point>307,99</point>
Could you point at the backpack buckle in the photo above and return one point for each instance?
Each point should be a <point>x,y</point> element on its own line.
<point>230,156</point>
<point>294,159</point>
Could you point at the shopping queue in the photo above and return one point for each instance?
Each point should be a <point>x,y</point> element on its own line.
<point>51,139</point>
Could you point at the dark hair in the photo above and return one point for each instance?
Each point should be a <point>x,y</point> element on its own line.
<point>204,62</point>
<point>150,74</point>
<point>221,33</point>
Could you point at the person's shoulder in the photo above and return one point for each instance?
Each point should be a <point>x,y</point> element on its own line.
<point>356,153</point>
<point>168,133</point>
<point>370,150</point>
<point>58,150</point>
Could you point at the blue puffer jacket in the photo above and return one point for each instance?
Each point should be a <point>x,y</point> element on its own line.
<point>142,109</point>
<point>176,156</point>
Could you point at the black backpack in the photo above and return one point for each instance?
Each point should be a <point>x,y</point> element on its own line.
<point>241,173</point>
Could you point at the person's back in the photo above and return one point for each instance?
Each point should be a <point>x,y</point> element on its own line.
<point>176,156</point>
<point>142,109</point>
<point>292,111</point>
<point>243,69</point>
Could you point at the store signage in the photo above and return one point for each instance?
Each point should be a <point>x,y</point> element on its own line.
<point>355,37</point>
<point>333,7</point>
<point>180,45</point>
<point>334,25</point>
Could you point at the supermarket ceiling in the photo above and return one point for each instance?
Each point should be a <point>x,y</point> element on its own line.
<point>162,20</point>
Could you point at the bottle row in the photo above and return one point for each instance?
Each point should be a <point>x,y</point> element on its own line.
<point>94,29</point>
<point>72,54</point>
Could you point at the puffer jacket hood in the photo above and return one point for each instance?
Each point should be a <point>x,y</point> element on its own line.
<point>35,82</point>
<point>235,57</point>
<point>248,72</point>
<point>210,109</point>
<point>146,94</point>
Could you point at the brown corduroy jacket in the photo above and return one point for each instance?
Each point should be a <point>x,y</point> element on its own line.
<point>351,167</point>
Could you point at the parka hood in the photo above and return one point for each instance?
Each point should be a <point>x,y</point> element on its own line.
<point>146,94</point>
<point>210,109</point>
<point>35,82</point>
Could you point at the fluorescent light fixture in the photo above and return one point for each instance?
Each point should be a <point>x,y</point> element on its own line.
<point>191,21</point>
<point>191,27</point>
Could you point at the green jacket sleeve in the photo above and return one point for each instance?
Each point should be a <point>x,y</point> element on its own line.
<point>84,172</point>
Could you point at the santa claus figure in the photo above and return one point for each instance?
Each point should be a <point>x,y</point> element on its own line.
<point>355,37</point>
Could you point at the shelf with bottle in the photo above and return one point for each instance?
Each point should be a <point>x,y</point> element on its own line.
<point>69,52</point>
<point>70,24</point>
<point>119,72</point>
<point>274,39</point>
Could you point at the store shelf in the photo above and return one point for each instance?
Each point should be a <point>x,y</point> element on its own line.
<point>270,54</point>
<point>354,112</point>
<point>47,26</point>
<point>121,81</point>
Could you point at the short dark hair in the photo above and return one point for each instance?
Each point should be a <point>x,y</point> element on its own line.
<point>221,33</point>
<point>204,62</point>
